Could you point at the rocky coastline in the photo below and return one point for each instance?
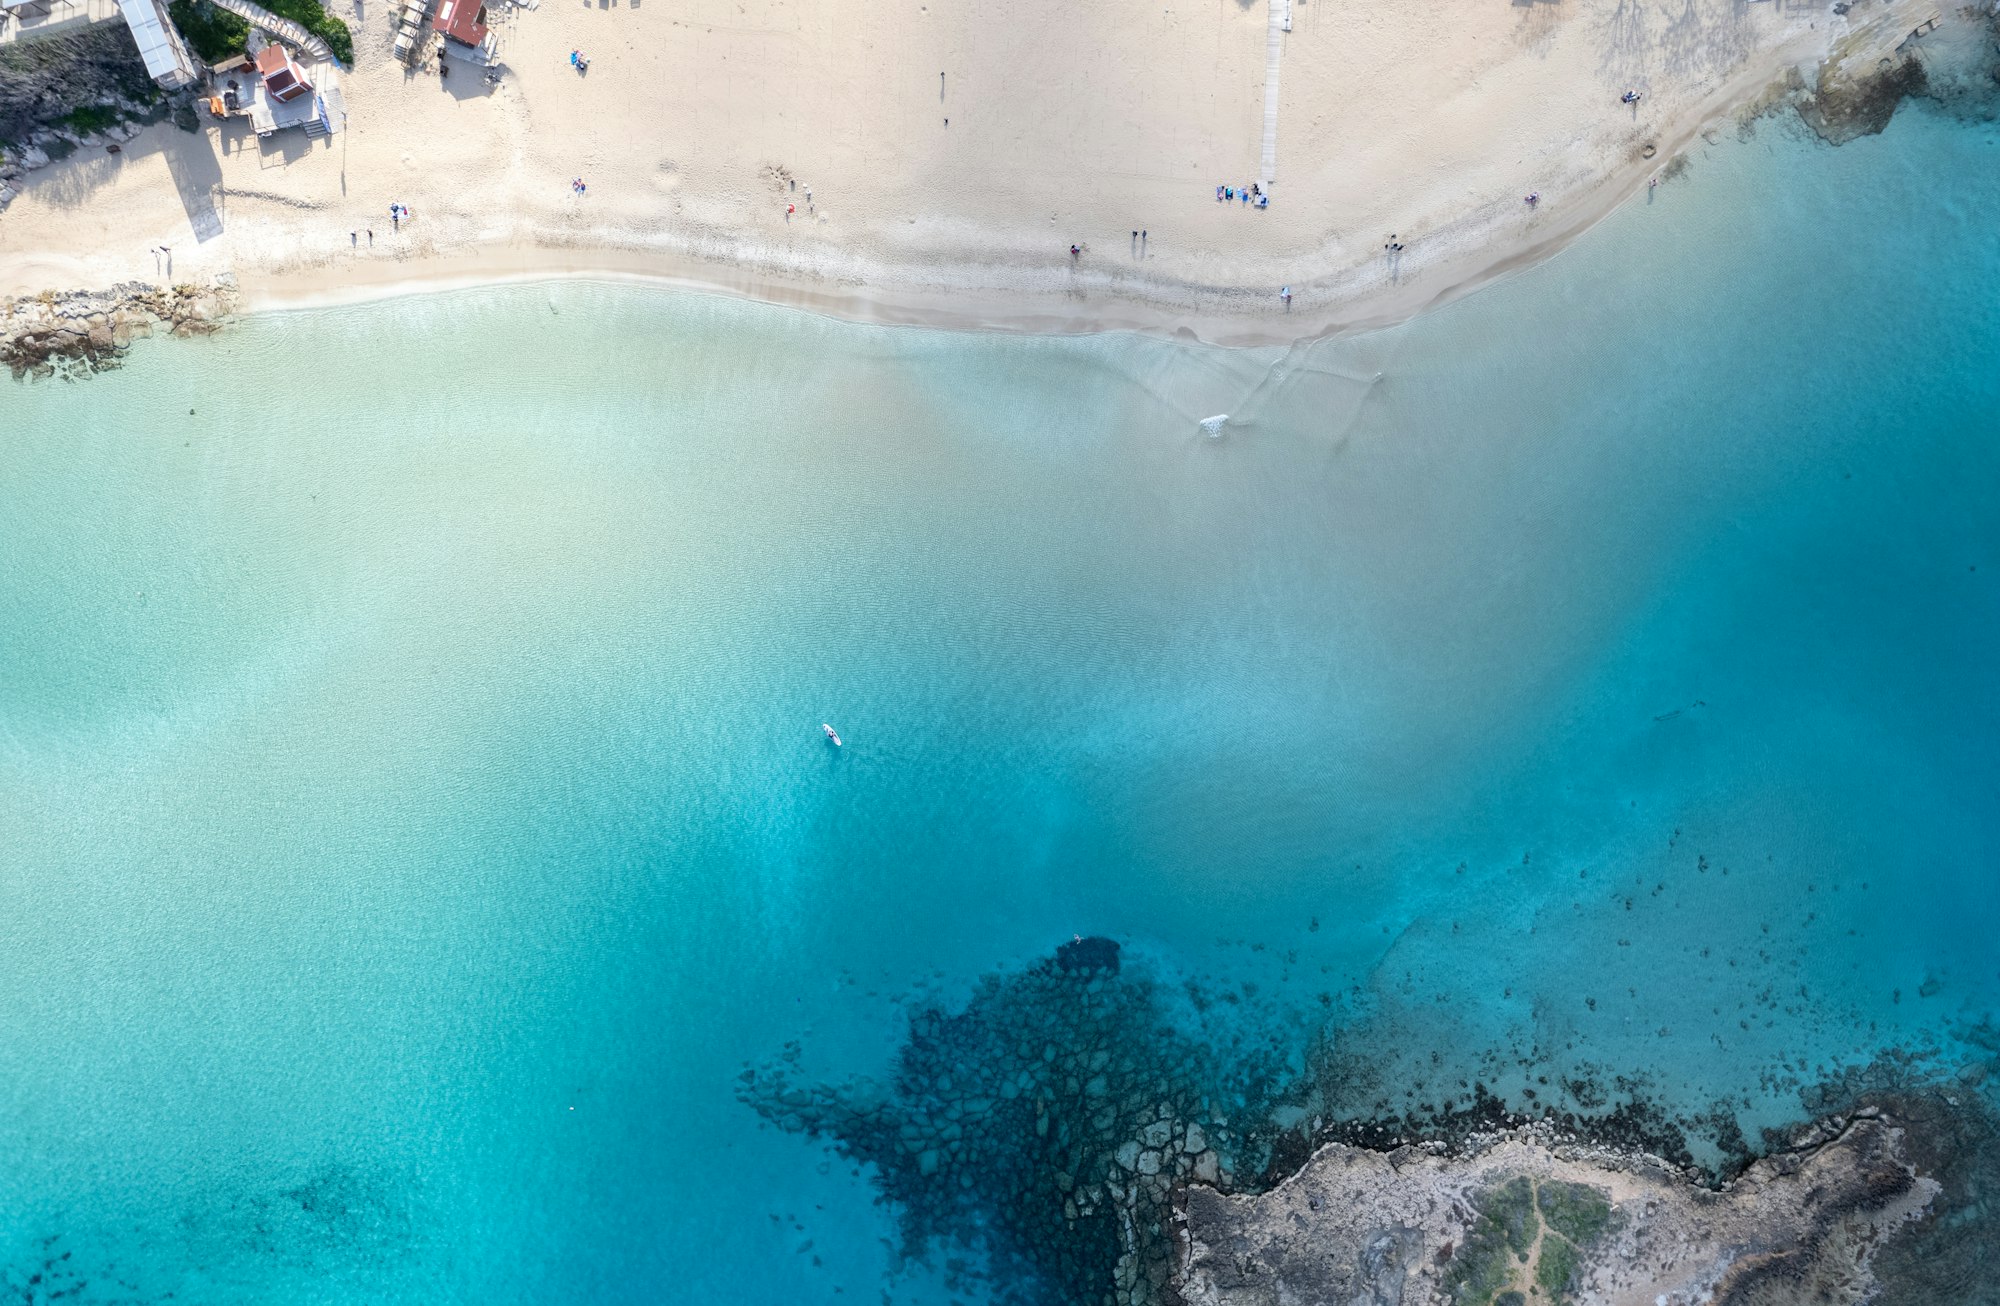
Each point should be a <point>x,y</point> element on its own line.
<point>83,331</point>
<point>1093,1131</point>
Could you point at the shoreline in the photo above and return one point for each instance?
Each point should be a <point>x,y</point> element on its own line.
<point>891,297</point>
<point>1094,308</point>
<point>934,241</point>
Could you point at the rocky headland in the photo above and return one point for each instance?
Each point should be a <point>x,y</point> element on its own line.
<point>1530,1216</point>
<point>85,331</point>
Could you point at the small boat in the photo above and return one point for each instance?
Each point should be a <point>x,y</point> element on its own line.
<point>830,733</point>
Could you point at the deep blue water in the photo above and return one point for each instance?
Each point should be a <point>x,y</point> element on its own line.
<point>416,814</point>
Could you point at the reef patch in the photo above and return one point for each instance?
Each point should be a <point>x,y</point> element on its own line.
<point>1048,1124</point>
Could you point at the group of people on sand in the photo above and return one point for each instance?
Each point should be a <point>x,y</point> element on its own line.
<point>1251,194</point>
<point>576,185</point>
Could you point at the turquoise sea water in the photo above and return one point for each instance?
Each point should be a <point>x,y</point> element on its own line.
<point>415,814</point>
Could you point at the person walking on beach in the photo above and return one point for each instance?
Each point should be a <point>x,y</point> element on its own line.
<point>1285,293</point>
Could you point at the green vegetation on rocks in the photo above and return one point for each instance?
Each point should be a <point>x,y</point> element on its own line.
<point>1556,1267</point>
<point>1577,1212</point>
<point>90,118</point>
<point>1502,1236</point>
<point>1508,1251</point>
<point>214,32</point>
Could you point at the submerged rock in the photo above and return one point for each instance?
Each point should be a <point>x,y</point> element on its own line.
<point>1073,1090</point>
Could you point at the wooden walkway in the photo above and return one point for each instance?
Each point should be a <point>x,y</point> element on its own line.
<point>1274,41</point>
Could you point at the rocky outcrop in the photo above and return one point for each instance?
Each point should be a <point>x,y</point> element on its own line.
<point>1891,53</point>
<point>1528,1216</point>
<point>87,331</point>
<point>1845,107</point>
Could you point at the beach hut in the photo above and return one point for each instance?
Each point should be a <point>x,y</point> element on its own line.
<point>284,80</point>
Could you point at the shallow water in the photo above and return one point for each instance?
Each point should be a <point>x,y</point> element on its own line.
<point>417,814</point>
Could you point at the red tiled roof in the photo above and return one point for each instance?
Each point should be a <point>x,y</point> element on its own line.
<point>462,20</point>
<point>282,78</point>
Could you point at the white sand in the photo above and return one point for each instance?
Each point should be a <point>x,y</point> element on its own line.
<point>1068,123</point>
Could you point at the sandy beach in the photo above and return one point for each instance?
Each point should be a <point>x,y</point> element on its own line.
<point>935,162</point>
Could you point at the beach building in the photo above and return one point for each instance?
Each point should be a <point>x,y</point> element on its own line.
<point>275,91</point>
<point>466,34</point>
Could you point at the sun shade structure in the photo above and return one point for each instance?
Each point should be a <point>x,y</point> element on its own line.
<point>166,56</point>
